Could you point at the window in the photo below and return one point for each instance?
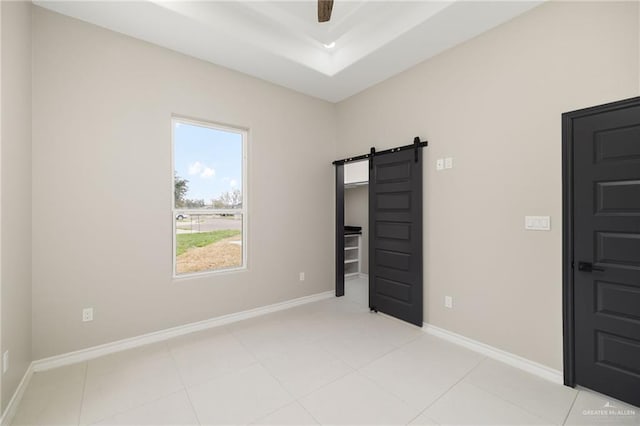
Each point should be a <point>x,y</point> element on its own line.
<point>209,203</point>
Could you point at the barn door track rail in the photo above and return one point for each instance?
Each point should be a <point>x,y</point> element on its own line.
<point>417,143</point>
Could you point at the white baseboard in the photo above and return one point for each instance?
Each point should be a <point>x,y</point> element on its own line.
<point>120,345</point>
<point>356,276</point>
<point>158,336</point>
<point>513,360</point>
<point>12,407</point>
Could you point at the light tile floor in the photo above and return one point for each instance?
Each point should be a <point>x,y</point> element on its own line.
<point>330,362</point>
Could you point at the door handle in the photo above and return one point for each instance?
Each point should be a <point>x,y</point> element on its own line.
<point>588,267</point>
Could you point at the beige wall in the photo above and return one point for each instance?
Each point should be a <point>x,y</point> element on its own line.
<point>102,187</point>
<point>102,170</point>
<point>356,212</point>
<point>16,192</point>
<point>494,105</point>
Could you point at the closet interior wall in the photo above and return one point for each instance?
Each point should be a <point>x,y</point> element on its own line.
<point>356,213</point>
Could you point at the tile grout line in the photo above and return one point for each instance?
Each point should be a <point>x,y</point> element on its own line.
<point>184,386</point>
<point>396,348</point>
<point>355,370</point>
<point>514,403</point>
<point>126,410</point>
<point>246,348</point>
<point>308,412</point>
<point>295,398</point>
<point>570,408</point>
<point>84,388</point>
<point>298,400</point>
<point>510,402</point>
<point>119,413</point>
<point>380,387</point>
<point>450,388</point>
<point>259,362</point>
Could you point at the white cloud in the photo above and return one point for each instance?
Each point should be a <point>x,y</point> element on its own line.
<point>208,172</point>
<point>195,168</point>
<point>233,183</point>
<point>198,168</point>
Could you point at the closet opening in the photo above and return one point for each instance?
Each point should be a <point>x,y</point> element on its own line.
<point>378,238</point>
<point>356,232</point>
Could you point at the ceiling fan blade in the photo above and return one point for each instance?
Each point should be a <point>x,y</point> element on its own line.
<point>324,10</point>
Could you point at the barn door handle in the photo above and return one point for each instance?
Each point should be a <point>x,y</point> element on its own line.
<point>588,267</point>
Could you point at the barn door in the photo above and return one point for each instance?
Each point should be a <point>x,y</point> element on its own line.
<point>395,243</point>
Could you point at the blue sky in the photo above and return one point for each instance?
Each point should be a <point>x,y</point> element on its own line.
<point>211,160</point>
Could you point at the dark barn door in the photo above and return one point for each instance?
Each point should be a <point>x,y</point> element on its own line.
<point>395,243</point>
<point>606,247</point>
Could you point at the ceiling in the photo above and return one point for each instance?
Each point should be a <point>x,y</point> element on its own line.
<point>282,42</point>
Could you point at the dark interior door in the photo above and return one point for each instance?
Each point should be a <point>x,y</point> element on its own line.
<point>606,249</point>
<point>395,241</point>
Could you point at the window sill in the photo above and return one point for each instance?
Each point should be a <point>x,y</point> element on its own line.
<point>195,275</point>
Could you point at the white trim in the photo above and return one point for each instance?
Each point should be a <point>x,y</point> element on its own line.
<point>244,211</point>
<point>12,407</point>
<point>513,360</point>
<point>358,275</point>
<point>158,336</point>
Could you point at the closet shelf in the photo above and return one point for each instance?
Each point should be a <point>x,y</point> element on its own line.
<point>352,253</point>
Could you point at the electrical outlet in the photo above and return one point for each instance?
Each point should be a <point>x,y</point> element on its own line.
<point>440,164</point>
<point>5,361</point>
<point>301,276</point>
<point>87,314</point>
<point>448,163</point>
<point>448,302</point>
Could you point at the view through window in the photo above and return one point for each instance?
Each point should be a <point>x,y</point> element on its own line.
<point>209,209</point>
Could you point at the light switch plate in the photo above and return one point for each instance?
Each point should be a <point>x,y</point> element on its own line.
<point>448,302</point>
<point>448,163</point>
<point>440,164</point>
<point>537,223</point>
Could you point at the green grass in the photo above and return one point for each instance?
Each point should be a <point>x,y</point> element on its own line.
<point>201,239</point>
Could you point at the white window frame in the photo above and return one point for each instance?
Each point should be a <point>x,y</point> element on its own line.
<point>244,211</point>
